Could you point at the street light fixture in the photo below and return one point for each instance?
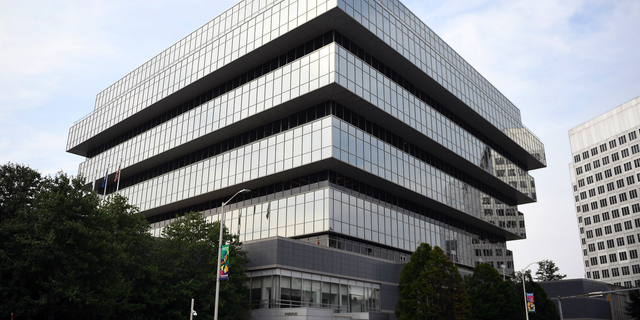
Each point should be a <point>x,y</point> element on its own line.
<point>503,267</point>
<point>215,313</point>
<point>526,311</point>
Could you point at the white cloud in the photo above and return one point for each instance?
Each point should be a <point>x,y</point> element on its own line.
<point>45,46</point>
<point>27,146</point>
<point>57,55</point>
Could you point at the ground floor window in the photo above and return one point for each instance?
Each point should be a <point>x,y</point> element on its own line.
<point>287,289</point>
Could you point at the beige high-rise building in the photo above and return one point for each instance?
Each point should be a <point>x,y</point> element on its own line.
<point>605,174</point>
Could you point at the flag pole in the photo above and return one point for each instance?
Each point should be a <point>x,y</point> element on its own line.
<point>94,184</point>
<point>118,176</point>
<point>104,183</point>
<point>240,218</point>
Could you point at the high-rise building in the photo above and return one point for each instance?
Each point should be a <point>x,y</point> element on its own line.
<point>359,132</point>
<point>605,174</point>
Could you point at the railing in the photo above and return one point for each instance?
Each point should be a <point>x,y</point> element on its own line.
<point>284,304</point>
<point>83,117</point>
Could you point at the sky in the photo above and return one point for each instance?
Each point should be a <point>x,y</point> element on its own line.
<point>560,62</point>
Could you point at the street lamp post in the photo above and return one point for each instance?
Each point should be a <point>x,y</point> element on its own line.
<point>526,311</point>
<point>192,312</point>
<point>215,313</point>
<point>503,267</point>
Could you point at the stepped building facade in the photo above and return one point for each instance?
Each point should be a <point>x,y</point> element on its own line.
<point>605,174</point>
<point>359,132</point>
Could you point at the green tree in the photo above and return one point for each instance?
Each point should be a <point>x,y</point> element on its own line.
<point>633,306</point>
<point>63,252</point>
<point>547,271</point>
<point>138,261</point>
<point>188,254</point>
<point>490,296</point>
<point>431,287</point>
<point>18,187</point>
<point>545,308</point>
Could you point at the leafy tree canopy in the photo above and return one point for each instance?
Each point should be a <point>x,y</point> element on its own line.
<point>547,271</point>
<point>18,187</point>
<point>633,306</point>
<point>491,297</point>
<point>545,308</point>
<point>64,251</point>
<point>188,253</point>
<point>431,287</point>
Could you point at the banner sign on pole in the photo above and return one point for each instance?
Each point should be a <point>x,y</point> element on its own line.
<point>531,305</point>
<point>224,264</point>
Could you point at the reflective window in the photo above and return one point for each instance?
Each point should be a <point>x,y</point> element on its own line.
<point>282,291</point>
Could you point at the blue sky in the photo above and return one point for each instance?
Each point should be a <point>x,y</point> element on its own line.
<point>561,62</point>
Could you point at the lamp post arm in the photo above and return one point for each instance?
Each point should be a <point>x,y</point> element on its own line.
<point>237,193</point>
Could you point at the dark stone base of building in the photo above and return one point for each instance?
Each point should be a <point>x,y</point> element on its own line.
<point>595,308</point>
<point>292,279</point>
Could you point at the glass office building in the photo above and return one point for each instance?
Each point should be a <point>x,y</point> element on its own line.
<point>359,132</point>
<point>605,174</point>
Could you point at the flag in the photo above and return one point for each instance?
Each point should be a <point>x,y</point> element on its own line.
<point>531,305</point>
<point>118,176</point>
<point>224,263</point>
<point>106,175</point>
<point>268,210</point>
